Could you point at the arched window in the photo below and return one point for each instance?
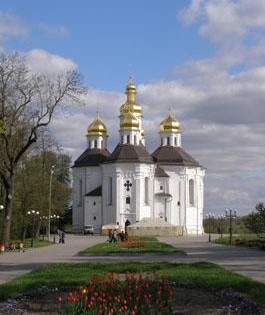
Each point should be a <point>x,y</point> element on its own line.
<point>146,190</point>
<point>175,141</point>
<point>128,138</point>
<point>128,200</point>
<point>121,139</point>
<point>191,192</point>
<point>89,144</point>
<point>168,141</point>
<point>96,143</point>
<point>134,139</point>
<point>161,141</point>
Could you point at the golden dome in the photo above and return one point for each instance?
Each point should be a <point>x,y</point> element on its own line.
<point>97,128</point>
<point>129,122</point>
<point>170,124</point>
<point>130,105</point>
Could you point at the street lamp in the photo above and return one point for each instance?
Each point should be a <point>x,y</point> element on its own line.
<point>230,214</point>
<point>209,216</point>
<point>221,218</point>
<point>34,214</point>
<point>50,203</point>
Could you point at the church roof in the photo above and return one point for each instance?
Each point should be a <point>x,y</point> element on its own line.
<point>128,153</point>
<point>92,157</point>
<point>159,172</point>
<point>95,192</point>
<point>173,155</point>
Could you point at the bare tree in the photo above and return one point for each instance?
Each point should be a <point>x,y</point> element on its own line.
<point>27,104</point>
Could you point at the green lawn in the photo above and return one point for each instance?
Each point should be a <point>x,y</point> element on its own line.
<point>205,276</point>
<point>151,245</point>
<point>247,240</point>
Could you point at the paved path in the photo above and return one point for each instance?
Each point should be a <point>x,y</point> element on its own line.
<point>17,263</point>
<point>248,262</point>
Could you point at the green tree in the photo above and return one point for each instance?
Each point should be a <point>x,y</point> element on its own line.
<point>27,105</point>
<point>255,221</point>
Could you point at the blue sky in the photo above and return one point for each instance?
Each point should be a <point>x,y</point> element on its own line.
<point>110,39</point>
<point>203,58</point>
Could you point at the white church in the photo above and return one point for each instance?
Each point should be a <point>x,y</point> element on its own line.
<point>130,184</point>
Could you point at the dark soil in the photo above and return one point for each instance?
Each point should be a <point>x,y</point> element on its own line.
<point>186,302</point>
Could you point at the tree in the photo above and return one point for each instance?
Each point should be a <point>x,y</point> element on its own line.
<point>255,221</point>
<point>27,104</point>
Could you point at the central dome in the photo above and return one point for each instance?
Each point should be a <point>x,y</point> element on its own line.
<point>129,122</point>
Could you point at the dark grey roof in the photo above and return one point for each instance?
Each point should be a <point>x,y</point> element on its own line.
<point>128,153</point>
<point>173,155</point>
<point>91,157</point>
<point>95,192</point>
<point>159,172</point>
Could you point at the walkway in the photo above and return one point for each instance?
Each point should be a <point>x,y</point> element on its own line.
<point>247,262</point>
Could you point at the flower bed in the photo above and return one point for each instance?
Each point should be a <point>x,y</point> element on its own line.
<point>121,294</point>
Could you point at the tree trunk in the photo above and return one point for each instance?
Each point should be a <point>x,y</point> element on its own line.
<point>8,213</point>
<point>37,234</point>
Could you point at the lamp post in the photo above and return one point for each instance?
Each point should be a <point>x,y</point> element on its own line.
<point>50,203</point>
<point>221,218</point>
<point>209,216</point>
<point>230,214</point>
<point>34,214</point>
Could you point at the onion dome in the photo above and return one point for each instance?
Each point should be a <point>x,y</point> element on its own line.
<point>129,122</point>
<point>97,128</point>
<point>130,105</point>
<point>170,124</point>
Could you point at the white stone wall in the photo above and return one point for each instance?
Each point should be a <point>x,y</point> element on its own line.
<point>85,179</point>
<point>93,212</point>
<point>119,210</point>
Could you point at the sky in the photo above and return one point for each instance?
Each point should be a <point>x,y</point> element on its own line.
<point>203,58</point>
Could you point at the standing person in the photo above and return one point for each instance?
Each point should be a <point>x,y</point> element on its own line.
<point>59,232</point>
<point>63,236</point>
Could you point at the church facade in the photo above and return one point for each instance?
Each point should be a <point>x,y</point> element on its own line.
<point>130,184</point>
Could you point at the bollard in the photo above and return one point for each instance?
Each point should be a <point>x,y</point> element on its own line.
<point>2,249</point>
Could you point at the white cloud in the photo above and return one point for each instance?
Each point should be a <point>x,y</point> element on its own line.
<point>12,26</point>
<point>224,21</point>
<point>42,61</point>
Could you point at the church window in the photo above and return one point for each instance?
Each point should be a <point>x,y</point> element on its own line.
<point>146,188</point>
<point>161,141</point>
<point>110,191</point>
<point>168,141</point>
<point>128,200</point>
<point>94,203</point>
<point>121,139</point>
<point>161,187</point>
<point>89,144</point>
<point>94,218</point>
<point>128,138</point>
<point>191,192</point>
<point>175,141</point>
<point>134,139</point>
<point>95,143</point>
<point>101,144</point>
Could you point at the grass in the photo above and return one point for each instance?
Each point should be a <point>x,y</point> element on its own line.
<point>150,245</point>
<point>202,275</point>
<point>246,240</point>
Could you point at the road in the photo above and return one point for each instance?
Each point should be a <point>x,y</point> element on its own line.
<point>248,262</point>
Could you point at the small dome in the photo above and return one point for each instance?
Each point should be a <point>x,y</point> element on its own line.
<point>129,122</point>
<point>170,124</point>
<point>97,128</point>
